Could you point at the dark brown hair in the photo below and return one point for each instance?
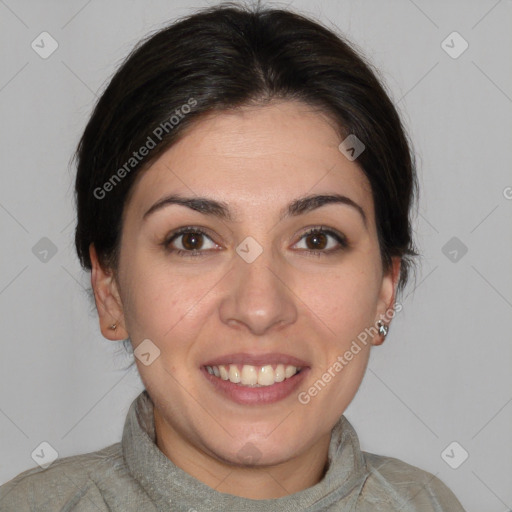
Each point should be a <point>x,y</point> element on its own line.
<point>228,57</point>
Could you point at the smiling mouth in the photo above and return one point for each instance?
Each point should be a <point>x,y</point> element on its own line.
<point>247,375</point>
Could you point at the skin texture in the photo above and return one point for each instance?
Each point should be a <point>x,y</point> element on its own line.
<point>194,308</point>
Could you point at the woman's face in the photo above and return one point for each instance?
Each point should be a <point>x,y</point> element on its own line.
<point>249,291</point>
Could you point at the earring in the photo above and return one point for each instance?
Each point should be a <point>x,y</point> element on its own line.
<point>113,326</point>
<point>383,329</point>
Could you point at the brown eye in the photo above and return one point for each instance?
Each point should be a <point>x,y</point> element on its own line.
<point>192,241</point>
<point>322,241</point>
<point>316,241</point>
<point>189,241</point>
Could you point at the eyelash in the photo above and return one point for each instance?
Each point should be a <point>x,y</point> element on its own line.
<point>342,241</point>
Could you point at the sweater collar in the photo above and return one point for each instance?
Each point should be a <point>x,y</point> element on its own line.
<point>166,484</point>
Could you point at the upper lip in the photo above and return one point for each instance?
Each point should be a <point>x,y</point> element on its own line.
<point>257,359</point>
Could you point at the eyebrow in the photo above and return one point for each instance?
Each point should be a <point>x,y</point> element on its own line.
<point>221,210</point>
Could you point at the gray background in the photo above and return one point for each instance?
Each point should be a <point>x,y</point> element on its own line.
<point>443,374</point>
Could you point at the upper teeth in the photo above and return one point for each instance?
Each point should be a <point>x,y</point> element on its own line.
<point>250,375</point>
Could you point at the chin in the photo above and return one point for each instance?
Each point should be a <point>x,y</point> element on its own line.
<point>252,454</point>
<point>248,449</point>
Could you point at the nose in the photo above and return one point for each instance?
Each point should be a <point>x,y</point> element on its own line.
<point>258,297</point>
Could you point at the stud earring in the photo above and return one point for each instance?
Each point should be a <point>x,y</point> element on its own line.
<point>383,329</point>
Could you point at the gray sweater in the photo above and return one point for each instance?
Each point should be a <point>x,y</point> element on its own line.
<point>135,476</point>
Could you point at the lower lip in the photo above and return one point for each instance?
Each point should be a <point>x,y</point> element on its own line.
<point>258,395</point>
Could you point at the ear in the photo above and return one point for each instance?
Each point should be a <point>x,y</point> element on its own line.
<point>108,300</point>
<point>387,297</point>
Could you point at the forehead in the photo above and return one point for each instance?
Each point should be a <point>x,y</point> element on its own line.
<point>255,156</point>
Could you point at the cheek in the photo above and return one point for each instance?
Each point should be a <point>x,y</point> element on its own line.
<point>159,303</point>
<point>344,299</point>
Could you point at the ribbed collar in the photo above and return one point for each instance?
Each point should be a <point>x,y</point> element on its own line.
<point>171,488</point>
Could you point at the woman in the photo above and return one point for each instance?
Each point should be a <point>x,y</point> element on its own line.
<point>243,194</point>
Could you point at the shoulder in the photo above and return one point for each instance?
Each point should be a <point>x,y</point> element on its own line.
<point>64,483</point>
<point>392,483</point>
